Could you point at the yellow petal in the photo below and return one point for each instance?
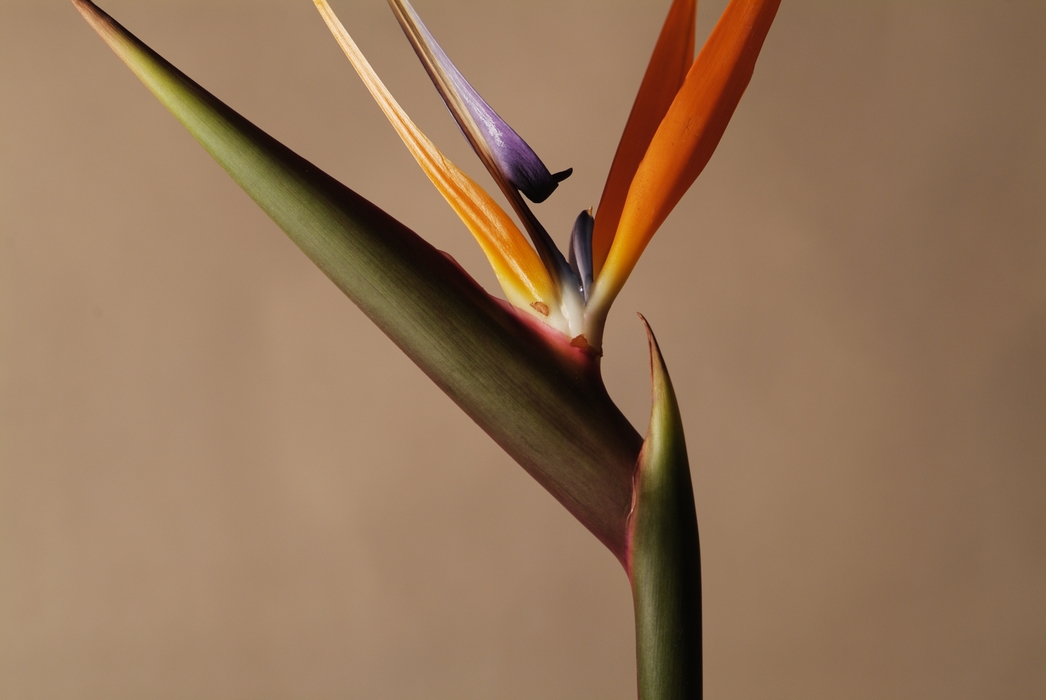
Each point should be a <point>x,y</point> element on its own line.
<point>672,58</point>
<point>686,138</point>
<point>519,270</point>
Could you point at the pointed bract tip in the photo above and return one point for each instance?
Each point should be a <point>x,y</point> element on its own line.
<point>657,363</point>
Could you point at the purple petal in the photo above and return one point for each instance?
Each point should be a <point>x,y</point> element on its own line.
<point>507,156</point>
<point>581,251</point>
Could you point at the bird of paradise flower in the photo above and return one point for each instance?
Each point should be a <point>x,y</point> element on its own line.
<point>678,118</point>
<point>528,374</point>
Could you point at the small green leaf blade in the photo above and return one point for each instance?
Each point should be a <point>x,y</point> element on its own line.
<point>664,560</point>
<point>540,399</point>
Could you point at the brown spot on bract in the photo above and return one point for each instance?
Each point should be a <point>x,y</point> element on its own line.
<point>541,307</point>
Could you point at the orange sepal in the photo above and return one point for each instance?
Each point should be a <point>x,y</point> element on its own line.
<point>686,138</point>
<point>519,270</point>
<point>672,58</point>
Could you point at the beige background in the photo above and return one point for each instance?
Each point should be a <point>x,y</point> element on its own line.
<point>218,480</point>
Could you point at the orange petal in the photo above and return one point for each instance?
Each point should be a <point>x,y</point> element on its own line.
<point>519,270</point>
<point>672,57</point>
<point>686,138</point>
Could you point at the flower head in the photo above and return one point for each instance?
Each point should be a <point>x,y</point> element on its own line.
<point>540,399</point>
<point>677,120</point>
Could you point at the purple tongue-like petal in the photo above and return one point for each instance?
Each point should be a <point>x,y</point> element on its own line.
<point>507,156</point>
<point>581,250</point>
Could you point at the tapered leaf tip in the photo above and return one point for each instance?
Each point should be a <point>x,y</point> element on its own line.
<point>91,12</point>
<point>658,370</point>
